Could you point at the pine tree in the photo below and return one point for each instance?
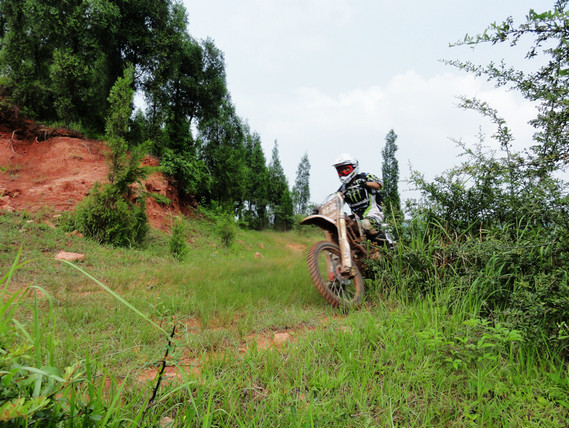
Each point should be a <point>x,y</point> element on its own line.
<point>301,189</point>
<point>390,176</point>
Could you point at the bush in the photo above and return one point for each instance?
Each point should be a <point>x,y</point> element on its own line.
<point>178,246</point>
<point>510,274</point>
<point>226,229</point>
<point>224,223</point>
<point>493,231</point>
<point>109,218</point>
<point>191,173</point>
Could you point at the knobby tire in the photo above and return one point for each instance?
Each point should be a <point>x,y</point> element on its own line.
<point>339,290</point>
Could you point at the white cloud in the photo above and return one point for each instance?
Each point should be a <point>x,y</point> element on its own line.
<point>422,111</point>
<point>328,76</point>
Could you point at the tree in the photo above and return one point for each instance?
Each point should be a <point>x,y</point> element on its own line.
<point>257,183</point>
<point>519,186</point>
<point>547,86</point>
<point>61,58</point>
<point>280,200</point>
<point>222,149</point>
<point>301,189</point>
<point>390,176</point>
<point>189,88</point>
<point>54,60</point>
<point>114,212</point>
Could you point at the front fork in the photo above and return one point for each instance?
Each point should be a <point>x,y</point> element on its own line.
<point>345,251</point>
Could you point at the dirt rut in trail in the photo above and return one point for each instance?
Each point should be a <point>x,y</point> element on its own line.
<point>267,339</point>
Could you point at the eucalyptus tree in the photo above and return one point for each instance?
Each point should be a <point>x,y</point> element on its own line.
<point>187,85</point>
<point>257,183</point>
<point>60,59</point>
<point>390,177</point>
<point>222,149</point>
<point>280,200</point>
<point>53,60</point>
<point>301,188</point>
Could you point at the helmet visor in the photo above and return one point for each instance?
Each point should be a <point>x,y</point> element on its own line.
<point>344,170</point>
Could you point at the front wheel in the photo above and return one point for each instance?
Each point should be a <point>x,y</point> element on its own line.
<point>324,266</point>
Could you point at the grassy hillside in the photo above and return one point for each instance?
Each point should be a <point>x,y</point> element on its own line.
<point>253,345</point>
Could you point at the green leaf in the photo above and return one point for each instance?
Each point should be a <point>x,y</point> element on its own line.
<point>50,372</point>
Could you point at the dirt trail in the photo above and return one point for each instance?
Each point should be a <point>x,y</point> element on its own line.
<point>50,171</point>
<point>263,340</point>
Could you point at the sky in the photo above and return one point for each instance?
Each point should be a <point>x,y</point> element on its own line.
<point>324,77</point>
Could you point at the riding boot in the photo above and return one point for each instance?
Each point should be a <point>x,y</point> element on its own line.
<point>383,237</point>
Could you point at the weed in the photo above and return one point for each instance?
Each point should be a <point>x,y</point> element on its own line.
<point>40,179</point>
<point>159,198</point>
<point>12,170</point>
<point>477,343</point>
<point>29,387</point>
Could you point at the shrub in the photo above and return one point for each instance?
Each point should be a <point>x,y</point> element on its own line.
<point>112,214</point>
<point>178,246</point>
<point>225,228</point>
<point>109,218</point>
<point>510,274</point>
<point>191,173</point>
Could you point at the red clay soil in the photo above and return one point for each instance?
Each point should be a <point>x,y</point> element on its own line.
<point>52,170</point>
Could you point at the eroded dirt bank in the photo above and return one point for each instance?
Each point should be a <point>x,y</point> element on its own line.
<point>56,170</point>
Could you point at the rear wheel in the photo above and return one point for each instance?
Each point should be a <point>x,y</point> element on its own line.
<point>324,265</point>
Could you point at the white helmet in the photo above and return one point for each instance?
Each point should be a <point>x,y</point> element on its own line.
<point>347,167</point>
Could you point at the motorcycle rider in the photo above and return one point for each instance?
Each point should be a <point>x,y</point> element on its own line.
<point>362,194</point>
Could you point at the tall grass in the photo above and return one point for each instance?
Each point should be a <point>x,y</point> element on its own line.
<point>28,384</point>
<point>513,274</point>
<point>402,360</point>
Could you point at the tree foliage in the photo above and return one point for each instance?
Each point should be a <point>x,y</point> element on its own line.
<point>547,86</point>
<point>221,141</point>
<point>497,225</point>
<point>256,199</point>
<point>60,60</point>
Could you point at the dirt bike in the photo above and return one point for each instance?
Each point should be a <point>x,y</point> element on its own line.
<point>335,264</point>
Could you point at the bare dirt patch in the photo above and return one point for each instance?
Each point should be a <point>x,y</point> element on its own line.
<point>56,173</point>
<point>52,170</point>
<point>296,247</point>
<point>190,366</point>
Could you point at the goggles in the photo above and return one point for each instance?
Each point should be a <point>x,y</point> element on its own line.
<point>344,170</point>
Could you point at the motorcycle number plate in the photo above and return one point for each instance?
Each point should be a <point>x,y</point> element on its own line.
<point>330,210</point>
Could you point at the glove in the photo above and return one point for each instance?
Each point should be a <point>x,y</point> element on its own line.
<point>360,182</point>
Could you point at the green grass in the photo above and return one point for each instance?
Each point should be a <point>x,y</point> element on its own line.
<point>396,362</point>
